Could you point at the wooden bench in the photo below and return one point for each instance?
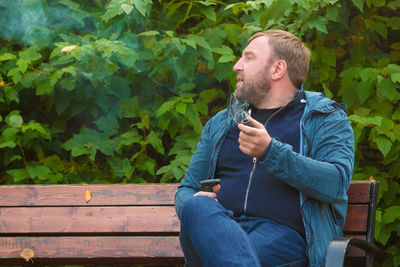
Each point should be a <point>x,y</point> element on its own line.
<point>89,224</point>
<point>356,248</point>
<point>131,224</point>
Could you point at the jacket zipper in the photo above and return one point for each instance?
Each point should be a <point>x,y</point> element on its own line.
<point>255,158</point>
<point>248,185</point>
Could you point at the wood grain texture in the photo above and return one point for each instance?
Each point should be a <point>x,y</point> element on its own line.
<point>74,195</point>
<point>356,219</point>
<point>69,250</point>
<point>93,220</point>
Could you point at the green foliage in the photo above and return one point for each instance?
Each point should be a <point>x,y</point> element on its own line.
<point>117,91</point>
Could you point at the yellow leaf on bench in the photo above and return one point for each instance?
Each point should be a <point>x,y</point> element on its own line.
<point>27,254</point>
<point>88,196</point>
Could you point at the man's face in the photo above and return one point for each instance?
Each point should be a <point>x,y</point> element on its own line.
<point>253,81</point>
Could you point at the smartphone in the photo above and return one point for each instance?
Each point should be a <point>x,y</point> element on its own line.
<point>207,185</point>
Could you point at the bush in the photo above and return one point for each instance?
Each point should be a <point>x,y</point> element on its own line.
<point>117,91</point>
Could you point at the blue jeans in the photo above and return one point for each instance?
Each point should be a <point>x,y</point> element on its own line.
<point>212,236</point>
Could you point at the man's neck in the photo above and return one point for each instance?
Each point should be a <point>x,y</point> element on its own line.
<point>278,97</point>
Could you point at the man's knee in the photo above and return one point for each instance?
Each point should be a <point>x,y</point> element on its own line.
<point>200,208</point>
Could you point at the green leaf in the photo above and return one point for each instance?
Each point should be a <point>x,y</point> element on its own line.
<point>37,127</point>
<point>15,121</point>
<point>391,215</point>
<point>384,144</point>
<point>18,174</point>
<point>389,90</point>
<point>39,172</point>
<point>359,4</point>
<point>113,9</point>
<point>233,32</point>
<point>181,108</point>
<point>149,33</point>
<point>44,87</point>
<point>364,91</point>
<point>143,6</point>
<point>156,142</point>
<point>54,163</point>
<point>210,13</point>
<point>108,124</point>
<point>7,56</point>
<point>328,56</point>
<point>121,167</point>
<point>378,3</point>
<point>318,23</point>
<point>127,8</point>
<point>376,120</point>
<point>396,77</point>
<point>130,107</point>
<point>30,54</point>
<point>167,106</point>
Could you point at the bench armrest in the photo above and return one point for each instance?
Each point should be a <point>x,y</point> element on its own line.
<point>337,249</point>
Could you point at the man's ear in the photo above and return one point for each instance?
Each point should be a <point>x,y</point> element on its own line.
<point>279,69</point>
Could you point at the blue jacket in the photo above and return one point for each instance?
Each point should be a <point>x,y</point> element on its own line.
<point>321,171</point>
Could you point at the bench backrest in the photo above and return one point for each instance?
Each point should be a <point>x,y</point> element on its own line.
<point>360,219</point>
<point>129,223</point>
<point>76,223</point>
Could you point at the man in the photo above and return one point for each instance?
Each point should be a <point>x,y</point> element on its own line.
<point>283,187</point>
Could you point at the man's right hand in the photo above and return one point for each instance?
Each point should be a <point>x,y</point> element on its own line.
<point>213,194</point>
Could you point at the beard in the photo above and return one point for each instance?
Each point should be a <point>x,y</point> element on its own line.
<point>254,89</point>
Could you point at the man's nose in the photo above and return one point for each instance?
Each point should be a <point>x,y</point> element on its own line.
<point>238,66</point>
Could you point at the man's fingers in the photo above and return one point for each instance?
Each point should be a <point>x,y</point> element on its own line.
<point>256,123</point>
<point>216,188</point>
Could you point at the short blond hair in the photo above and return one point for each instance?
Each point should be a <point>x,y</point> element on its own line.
<point>289,48</point>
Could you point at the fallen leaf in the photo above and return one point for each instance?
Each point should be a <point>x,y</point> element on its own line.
<point>27,254</point>
<point>68,48</point>
<point>88,196</point>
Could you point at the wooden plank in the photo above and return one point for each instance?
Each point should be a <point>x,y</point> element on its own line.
<point>356,252</point>
<point>82,250</point>
<point>73,195</point>
<point>359,192</point>
<point>356,219</point>
<point>88,220</point>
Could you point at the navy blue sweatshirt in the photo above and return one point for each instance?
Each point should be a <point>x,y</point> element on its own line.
<point>262,195</point>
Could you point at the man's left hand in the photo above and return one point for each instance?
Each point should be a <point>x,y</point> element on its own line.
<point>253,141</point>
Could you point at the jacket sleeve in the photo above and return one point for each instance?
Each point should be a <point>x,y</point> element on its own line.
<point>198,170</point>
<point>325,172</point>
